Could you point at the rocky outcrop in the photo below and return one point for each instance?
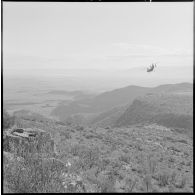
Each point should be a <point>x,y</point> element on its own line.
<point>25,141</point>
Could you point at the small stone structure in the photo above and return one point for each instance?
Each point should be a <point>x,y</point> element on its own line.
<point>25,141</point>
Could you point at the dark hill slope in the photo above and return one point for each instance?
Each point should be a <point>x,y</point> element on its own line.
<point>100,103</point>
<point>108,118</point>
<point>119,97</point>
<point>168,110</point>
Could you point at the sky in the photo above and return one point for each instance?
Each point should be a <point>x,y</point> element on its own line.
<point>107,44</point>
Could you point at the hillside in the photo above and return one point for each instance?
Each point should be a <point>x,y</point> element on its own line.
<point>170,110</point>
<point>175,88</point>
<point>119,97</point>
<point>99,103</point>
<point>108,118</point>
<point>139,158</point>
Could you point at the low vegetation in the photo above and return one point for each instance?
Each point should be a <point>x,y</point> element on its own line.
<point>132,159</point>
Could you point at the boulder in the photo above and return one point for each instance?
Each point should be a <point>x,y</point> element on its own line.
<point>25,141</point>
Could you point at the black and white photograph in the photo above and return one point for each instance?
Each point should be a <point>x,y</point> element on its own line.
<point>97,97</point>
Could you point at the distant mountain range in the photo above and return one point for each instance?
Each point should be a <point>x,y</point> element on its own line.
<point>120,97</point>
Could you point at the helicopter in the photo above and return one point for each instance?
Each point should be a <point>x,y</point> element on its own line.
<point>151,68</point>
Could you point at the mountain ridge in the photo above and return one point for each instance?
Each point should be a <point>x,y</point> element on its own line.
<point>110,99</point>
<point>165,109</point>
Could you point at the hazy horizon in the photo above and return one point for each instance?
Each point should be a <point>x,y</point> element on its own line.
<point>97,46</point>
